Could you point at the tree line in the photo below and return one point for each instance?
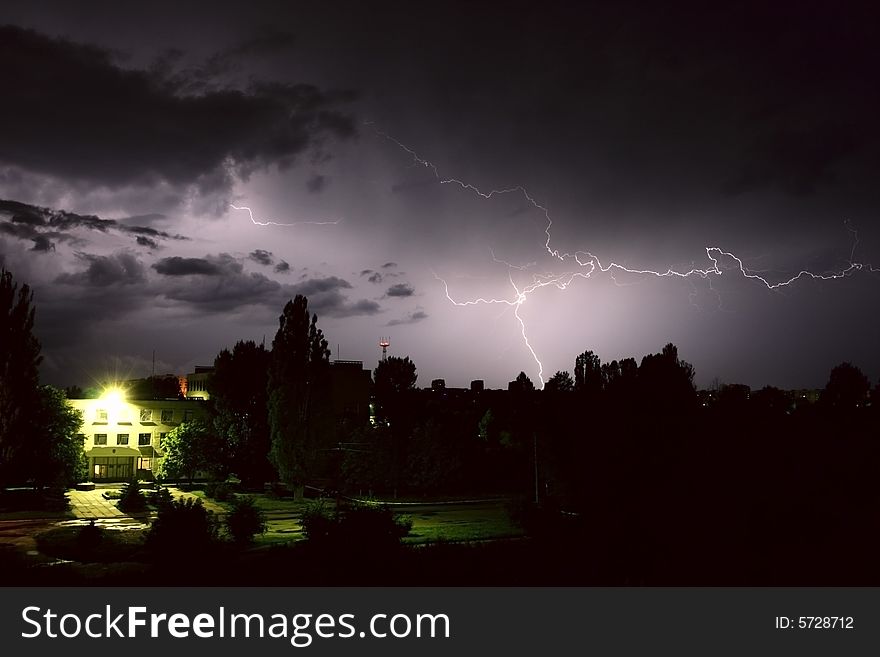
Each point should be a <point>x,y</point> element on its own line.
<point>38,430</point>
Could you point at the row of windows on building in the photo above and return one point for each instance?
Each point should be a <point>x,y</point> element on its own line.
<point>144,439</point>
<point>146,415</point>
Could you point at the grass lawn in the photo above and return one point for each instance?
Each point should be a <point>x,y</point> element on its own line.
<point>461,523</point>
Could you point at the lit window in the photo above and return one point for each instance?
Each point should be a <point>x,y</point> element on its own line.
<point>102,415</point>
<point>100,438</point>
<point>145,464</point>
<point>122,439</point>
<point>144,438</point>
<point>167,415</point>
<point>187,415</point>
<point>146,414</point>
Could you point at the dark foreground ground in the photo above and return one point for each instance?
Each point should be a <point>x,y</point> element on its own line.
<point>562,559</point>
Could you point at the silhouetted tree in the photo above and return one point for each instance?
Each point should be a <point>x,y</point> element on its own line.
<point>847,387</point>
<point>395,382</point>
<point>560,382</point>
<point>610,373</point>
<point>299,394</point>
<point>665,381</point>
<point>393,376</point>
<point>165,386</point>
<point>770,401</point>
<point>522,383</point>
<point>74,392</point>
<point>587,373</point>
<point>19,359</point>
<point>240,410</point>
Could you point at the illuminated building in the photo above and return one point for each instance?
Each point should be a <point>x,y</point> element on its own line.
<point>122,437</point>
<point>197,383</point>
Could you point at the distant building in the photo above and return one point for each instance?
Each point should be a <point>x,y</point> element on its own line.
<point>734,393</point>
<point>477,385</point>
<point>438,385</point>
<point>123,438</point>
<point>197,382</point>
<point>350,384</point>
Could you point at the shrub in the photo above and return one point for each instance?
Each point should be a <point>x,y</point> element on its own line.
<point>132,499</point>
<point>183,526</point>
<point>90,537</point>
<point>160,496</point>
<point>316,522</point>
<point>220,491</point>
<point>245,521</point>
<point>369,527</point>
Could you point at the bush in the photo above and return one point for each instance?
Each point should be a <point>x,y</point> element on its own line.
<point>316,522</point>
<point>160,496</point>
<point>245,521</point>
<point>220,491</point>
<point>90,537</point>
<point>132,499</point>
<point>366,526</point>
<point>182,526</point>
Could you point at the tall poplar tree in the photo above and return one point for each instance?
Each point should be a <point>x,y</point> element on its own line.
<point>300,419</point>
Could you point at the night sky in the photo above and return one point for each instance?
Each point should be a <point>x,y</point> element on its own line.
<point>649,131</point>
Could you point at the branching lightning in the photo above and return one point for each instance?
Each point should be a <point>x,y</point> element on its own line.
<point>588,263</point>
<point>275,223</point>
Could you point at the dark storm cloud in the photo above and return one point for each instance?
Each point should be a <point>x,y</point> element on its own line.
<point>143,219</point>
<point>317,183</point>
<point>218,283</point>
<point>267,42</point>
<point>326,298</point>
<point>261,257</point>
<point>39,219</point>
<point>219,265</point>
<point>79,115</point>
<point>25,231</point>
<point>412,318</point>
<point>400,290</point>
<point>146,230</point>
<point>389,265</point>
<point>21,231</point>
<point>223,291</point>
<point>375,278</point>
<point>320,285</point>
<point>43,243</point>
<point>147,242</point>
<point>798,162</point>
<point>121,268</point>
<point>282,267</point>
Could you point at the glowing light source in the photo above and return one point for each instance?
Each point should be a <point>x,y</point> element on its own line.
<point>113,398</point>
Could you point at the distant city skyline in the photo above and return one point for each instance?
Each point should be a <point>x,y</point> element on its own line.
<point>170,176</point>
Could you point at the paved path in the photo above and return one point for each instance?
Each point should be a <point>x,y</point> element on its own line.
<point>91,504</point>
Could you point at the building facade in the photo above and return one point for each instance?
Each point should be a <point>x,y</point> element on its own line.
<point>123,438</point>
<point>195,384</point>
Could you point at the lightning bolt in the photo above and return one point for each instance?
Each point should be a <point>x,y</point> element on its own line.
<point>589,264</point>
<point>275,223</point>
